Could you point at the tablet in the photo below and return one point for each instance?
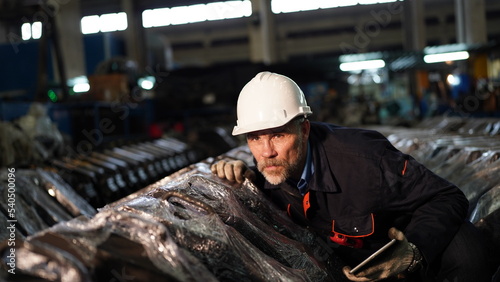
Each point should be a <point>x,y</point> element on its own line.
<point>372,256</point>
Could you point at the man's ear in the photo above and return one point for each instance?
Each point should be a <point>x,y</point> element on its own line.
<point>306,128</point>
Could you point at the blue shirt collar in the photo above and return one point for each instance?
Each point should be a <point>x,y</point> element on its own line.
<point>307,172</point>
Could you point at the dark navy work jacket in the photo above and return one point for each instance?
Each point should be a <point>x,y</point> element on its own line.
<point>362,186</point>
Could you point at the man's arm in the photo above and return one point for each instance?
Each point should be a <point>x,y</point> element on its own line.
<point>438,207</point>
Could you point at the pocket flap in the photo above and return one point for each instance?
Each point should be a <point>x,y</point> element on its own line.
<point>358,226</point>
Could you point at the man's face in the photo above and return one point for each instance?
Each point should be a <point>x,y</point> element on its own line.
<point>280,152</point>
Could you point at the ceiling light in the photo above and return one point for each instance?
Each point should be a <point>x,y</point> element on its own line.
<point>362,65</point>
<point>446,57</point>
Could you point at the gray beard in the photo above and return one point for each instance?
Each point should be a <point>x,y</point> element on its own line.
<point>281,177</point>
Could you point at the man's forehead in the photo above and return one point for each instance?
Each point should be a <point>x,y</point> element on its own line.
<point>281,129</point>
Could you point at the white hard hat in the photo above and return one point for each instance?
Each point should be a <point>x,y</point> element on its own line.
<point>269,100</point>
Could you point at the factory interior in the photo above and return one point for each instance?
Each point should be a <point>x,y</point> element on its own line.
<point>112,111</point>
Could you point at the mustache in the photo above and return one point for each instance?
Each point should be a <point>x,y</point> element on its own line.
<point>262,164</point>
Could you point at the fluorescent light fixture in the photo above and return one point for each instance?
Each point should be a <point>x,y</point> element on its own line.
<point>26,31</point>
<point>113,22</point>
<point>81,87</point>
<point>287,6</point>
<point>196,13</point>
<point>362,65</point>
<point>147,83</point>
<point>36,30</point>
<point>104,23</point>
<point>446,57</point>
<point>233,9</point>
<point>156,17</point>
<point>360,57</point>
<point>180,15</point>
<point>90,24</point>
<point>345,3</point>
<point>79,84</point>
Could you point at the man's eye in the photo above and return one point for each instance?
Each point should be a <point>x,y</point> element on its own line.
<point>278,136</point>
<point>252,138</point>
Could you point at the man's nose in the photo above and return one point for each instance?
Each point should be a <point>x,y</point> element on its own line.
<point>268,149</point>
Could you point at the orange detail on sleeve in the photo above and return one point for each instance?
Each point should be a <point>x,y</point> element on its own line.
<point>306,204</point>
<point>404,168</point>
<point>288,210</point>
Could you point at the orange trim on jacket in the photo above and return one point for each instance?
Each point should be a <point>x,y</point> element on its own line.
<point>306,204</point>
<point>350,240</point>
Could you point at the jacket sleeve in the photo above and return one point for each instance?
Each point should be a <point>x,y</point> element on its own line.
<point>438,207</point>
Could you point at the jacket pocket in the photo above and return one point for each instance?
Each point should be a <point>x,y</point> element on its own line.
<point>354,226</point>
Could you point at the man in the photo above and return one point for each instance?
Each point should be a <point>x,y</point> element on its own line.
<point>353,188</point>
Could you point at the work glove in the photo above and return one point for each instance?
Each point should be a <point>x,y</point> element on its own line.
<point>234,170</point>
<point>392,263</point>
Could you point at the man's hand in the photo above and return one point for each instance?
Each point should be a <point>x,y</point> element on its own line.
<point>393,264</point>
<point>232,170</point>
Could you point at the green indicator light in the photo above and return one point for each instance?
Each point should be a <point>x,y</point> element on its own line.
<point>52,95</point>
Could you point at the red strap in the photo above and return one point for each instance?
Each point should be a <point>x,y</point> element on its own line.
<point>346,240</point>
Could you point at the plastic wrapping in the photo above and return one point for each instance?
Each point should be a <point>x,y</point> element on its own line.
<point>206,193</point>
<point>35,208</point>
<point>5,233</point>
<point>112,245</point>
<point>28,186</point>
<point>43,262</point>
<point>480,182</point>
<point>29,220</point>
<point>219,246</point>
<point>193,226</point>
<point>65,195</point>
<point>468,161</point>
<point>487,204</point>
